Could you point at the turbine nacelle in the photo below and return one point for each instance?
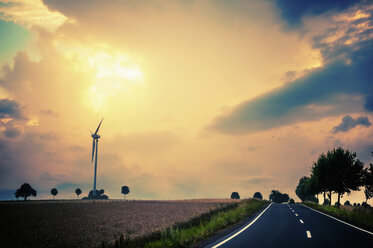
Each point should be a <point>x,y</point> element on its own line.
<point>95,136</point>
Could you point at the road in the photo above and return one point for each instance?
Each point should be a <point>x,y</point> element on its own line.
<point>294,225</point>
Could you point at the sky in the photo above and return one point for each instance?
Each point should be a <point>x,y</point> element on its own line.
<point>199,98</point>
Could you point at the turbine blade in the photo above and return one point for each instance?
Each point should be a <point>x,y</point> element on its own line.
<point>99,126</point>
<point>93,149</point>
<point>90,131</point>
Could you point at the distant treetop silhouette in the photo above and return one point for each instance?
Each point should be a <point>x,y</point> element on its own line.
<point>25,191</point>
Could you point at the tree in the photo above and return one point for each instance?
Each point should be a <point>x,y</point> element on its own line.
<point>291,201</point>
<point>258,195</point>
<point>277,197</point>
<point>54,192</point>
<point>347,203</point>
<point>312,188</point>
<point>345,172</point>
<point>300,191</point>
<point>235,195</point>
<point>125,191</point>
<point>78,191</point>
<point>368,184</point>
<point>311,198</point>
<point>337,171</point>
<point>25,191</point>
<point>319,173</point>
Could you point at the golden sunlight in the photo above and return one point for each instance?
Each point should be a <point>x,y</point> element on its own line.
<point>112,72</point>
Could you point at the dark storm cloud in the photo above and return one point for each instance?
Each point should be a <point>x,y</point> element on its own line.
<point>304,98</point>
<point>292,11</point>
<point>347,74</point>
<point>12,132</point>
<point>10,109</point>
<point>348,123</point>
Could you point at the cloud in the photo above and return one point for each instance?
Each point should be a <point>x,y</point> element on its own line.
<point>30,13</point>
<point>12,132</point>
<point>341,86</point>
<point>293,12</point>
<point>48,112</point>
<point>348,123</point>
<point>10,109</point>
<point>146,143</point>
<point>12,118</point>
<point>258,180</point>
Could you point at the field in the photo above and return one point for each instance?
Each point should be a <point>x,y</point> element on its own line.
<point>88,223</point>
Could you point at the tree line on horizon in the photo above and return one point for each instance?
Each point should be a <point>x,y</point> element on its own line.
<point>338,171</point>
<point>26,191</point>
<point>275,196</point>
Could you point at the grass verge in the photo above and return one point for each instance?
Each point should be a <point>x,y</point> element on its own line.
<point>357,216</point>
<point>196,229</point>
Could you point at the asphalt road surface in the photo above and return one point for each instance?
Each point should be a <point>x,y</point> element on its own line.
<point>294,225</point>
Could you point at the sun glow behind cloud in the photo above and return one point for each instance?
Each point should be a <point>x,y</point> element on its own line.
<point>111,72</point>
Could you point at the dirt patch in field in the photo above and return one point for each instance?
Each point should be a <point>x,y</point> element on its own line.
<point>88,223</point>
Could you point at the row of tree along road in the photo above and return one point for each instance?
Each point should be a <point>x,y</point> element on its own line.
<point>26,191</point>
<point>337,171</point>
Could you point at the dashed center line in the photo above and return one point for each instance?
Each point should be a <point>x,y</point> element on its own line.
<point>292,211</point>
<point>301,221</point>
<point>296,214</point>
<point>308,234</point>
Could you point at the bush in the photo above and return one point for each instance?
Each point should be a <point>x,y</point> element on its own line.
<point>258,195</point>
<point>235,195</point>
<point>99,195</point>
<point>347,203</point>
<point>326,202</point>
<point>291,201</point>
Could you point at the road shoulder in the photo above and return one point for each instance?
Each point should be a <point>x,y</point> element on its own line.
<point>230,230</point>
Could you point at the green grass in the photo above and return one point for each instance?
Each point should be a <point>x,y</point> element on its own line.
<point>196,229</point>
<point>354,215</point>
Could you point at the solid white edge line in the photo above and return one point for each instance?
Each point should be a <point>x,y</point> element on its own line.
<point>308,234</point>
<point>358,228</point>
<point>301,221</point>
<point>243,229</point>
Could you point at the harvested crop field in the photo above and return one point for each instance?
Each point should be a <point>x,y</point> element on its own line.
<point>88,223</point>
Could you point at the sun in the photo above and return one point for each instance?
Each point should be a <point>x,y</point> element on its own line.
<point>112,72</point>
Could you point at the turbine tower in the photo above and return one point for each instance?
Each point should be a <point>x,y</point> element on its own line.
<point>95,137</point>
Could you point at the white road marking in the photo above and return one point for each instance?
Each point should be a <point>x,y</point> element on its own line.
<point>296,214</point>
<point>358,228</point>
<point>308,234</point>
<point>292,211</point>
<point>301,221</point>
<point>243,229</point>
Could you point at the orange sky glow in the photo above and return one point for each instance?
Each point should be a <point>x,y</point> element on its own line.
<point>171,79</point>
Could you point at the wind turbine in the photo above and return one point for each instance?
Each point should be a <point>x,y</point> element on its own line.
<point>95,137</point>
